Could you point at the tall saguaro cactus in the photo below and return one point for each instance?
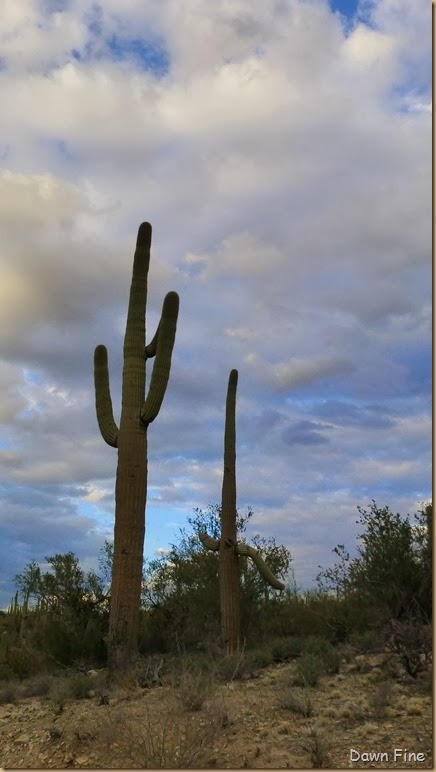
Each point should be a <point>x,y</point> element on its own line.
<point>130,439</point>
<point>229,548</point>
<point>228,558</point>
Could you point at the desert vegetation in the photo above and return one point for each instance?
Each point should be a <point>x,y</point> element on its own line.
<point>317,672</point>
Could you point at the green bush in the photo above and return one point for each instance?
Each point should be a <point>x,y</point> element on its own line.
<point>38,686</point>
<point>329,654</point>
<point>79,686</point>
<point>366,641</point>
<point>285,649</point>
<point>258,658</point>
<point>5,671</point>
<point>309,669</point>
<point>57,637</point>
<point>22,662</point>
<point>8,694</point>
<point>229,667</point>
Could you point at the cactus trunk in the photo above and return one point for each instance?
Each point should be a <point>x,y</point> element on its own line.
<point>228,558</point>
<point>228,546</point>
<point>131,442</point>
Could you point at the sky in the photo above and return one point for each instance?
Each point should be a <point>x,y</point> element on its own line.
<point>282,153</point>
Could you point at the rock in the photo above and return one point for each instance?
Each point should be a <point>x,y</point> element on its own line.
<point>23,738</point>
<point>82,760</point>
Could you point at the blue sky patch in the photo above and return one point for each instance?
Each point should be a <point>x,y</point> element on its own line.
<point>347,8</point>
<point>149,55</point>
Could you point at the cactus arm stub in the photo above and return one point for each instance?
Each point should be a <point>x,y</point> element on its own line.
<point>166,334</point>
<point>245,549</point>
<point>103,401</point>
<point>209,542</point>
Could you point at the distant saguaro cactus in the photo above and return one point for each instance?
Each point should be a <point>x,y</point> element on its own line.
<point>229,548</point>
<point>130,439</point>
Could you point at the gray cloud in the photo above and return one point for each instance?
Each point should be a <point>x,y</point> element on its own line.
<point>282,156</point>
<point>305,433</point>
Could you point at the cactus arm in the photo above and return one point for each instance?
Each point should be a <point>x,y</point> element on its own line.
<point>245,549</point>
<point>103,401</point>
<point>209,542</point>
<point>166,333</point>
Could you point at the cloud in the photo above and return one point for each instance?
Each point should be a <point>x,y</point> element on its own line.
<point>281,153</point>
<point>305,433</point>
<point>301,371</point>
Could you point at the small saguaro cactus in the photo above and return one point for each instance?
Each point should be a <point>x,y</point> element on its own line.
<point>130,440</point>
<point>229,548</point>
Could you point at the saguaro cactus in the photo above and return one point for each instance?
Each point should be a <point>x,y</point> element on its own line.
<point>229,548</point>
<point>130,439</point>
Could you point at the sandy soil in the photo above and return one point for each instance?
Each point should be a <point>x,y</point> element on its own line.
<point>242,724</point>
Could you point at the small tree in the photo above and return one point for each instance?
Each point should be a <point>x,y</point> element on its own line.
<point>386,572</point>
<point>64,588</point>
<point>181,591</point>
<point>65,610</point>
<point>423,539</point>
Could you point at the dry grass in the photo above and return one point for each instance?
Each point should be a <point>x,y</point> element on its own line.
<point>150,741</point>
<point>241,724</point>
<point>380,699</point>
<point>297,700</point>
<point>193,689</point>
<point>315,742</point>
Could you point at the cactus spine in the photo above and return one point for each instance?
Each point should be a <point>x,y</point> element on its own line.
<point>130,440</point>
<point>229,548</point>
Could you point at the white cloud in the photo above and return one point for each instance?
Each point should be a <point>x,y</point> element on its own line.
<point>298,372</point>
<point>367,48</point>
<point>283,161</point>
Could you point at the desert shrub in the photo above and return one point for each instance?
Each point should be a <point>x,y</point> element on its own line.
<point>309,670</point>
<point>284,649</point>
<point>412,641</point>
<point>392,573</point>
<point>8,694</point>
<point>380,699</point>
<point>425,683</point>
<point>297,700</point>
<point>156,740</point>
<point>257,658</point>
<point>193,689</point>
<point>229,667</point>
<point>366,641</point>
<point>22,662</point>
<point>62,690</point>
<point>93,647</point>
<point>347,651</point>
<point>38,686</point>
<point>79,685</point>
<point>55,635</point>
<point>330,655</point>
<point>5,671</point>
<point>58,695</point>
<point>316,744</point>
